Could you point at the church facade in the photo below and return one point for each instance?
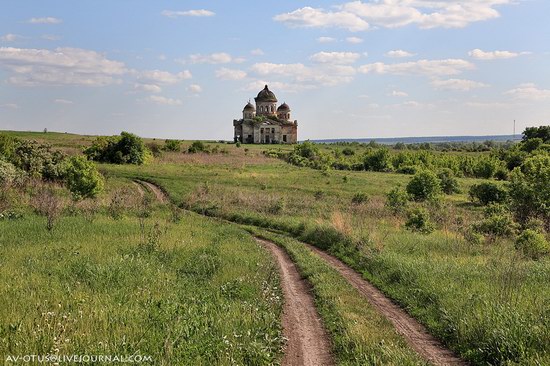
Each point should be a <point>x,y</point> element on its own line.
<point>266,123</point>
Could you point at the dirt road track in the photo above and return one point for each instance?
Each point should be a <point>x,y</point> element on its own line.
<point>307,341</point>
<point>159,194</point>
<point>414,333</point>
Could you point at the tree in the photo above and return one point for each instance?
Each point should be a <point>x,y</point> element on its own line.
<point>542,132</point>
<point>449,184</point>
<point>424,185</point>
<point>124,149</point>
<point>82,178</point>
<point>488,192</point>
<point>530,189</point>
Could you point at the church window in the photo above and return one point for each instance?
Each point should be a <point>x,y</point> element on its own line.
<point>284,138</point>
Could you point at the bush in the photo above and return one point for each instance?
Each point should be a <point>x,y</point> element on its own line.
<point>82,178</point>
<point>447,181</point>
<point>397,200</point>
<point>486,168</point>
<point>197,147</point>
<point>359,198</point>
<point>408,169</point>
<point>8,173</point>
<point>424,186</point>
<point>532,244</point>
<point>124,149</point>
<point>530,189</point>
<point>348,151</point>
<point>497,222</point>
<point>419,220</point>
<point>172,145</point>
<point>488,192</point>
<point>378,160</point>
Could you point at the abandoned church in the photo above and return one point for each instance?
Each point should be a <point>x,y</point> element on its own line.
<point>266,123</point>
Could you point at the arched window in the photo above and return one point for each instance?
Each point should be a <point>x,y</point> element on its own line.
<point>261,108</point>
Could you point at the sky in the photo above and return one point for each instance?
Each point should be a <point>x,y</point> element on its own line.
<point>185,69</point>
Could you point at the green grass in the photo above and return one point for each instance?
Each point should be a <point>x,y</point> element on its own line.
<point>196,292</point>
<point>486,302</point>
<point>360,334</point>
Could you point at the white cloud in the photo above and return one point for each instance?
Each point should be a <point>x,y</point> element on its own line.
<point>45,20</point>
<point>399,54</point>
<point>62,66</point>
<point>257,52</point>
<point>63,101</point>
<point>9,37</point>
<point>158,99</point>
<point>494,55</point>
<point>149,88</point>
<point>309,17</point>
<point>359,15</point>
<point>163,77</point>
<point>355,40</point>
<point>335,57</point>
<point>305,76</point>
<point>326,39</point>
<point>194,88</point>
<point>188,13</point>
<point>10,105</point>
<point>257,85</point>
<point>214,58</point>
<point>457,84</point>
<point>398,93</point>
<point>529,91</point>
<point>230,74</point>
<point>50,37</point>
<point>421,67</point>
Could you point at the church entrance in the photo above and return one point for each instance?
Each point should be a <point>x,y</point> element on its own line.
<point>267,139</point>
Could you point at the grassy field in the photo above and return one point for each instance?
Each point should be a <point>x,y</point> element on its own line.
<point>485,301</point>
<point>192,292</point>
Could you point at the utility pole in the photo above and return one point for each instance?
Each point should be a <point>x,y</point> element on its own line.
<point>514,129</point>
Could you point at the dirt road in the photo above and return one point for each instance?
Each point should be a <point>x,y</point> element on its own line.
<point>307,341</point>
<point>414,333</point>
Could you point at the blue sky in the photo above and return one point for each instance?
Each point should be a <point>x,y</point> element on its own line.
<point>185,69</point>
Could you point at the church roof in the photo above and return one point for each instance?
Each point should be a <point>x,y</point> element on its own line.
<point>283,107</point>
<point>266,95</point>
<point>249,107</point>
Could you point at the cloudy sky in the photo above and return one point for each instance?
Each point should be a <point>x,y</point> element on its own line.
<point>185,69</point>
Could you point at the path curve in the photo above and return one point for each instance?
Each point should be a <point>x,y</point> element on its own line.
<point>307,341</point>
<point>416,335</point>
<point>159,194</point>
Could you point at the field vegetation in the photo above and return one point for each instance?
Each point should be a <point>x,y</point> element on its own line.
<point>458,238</point>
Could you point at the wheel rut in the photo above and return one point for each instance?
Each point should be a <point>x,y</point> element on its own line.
<point>416,335</point>
<point>307,341</point>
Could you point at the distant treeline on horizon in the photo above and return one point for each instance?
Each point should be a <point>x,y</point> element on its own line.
<point>426,139</point>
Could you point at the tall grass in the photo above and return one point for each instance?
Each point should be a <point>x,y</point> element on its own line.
<point>195,292</point>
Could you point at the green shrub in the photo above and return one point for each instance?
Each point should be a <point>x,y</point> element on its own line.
<point>425,185</point>
<point>532,244</point>
<point>8,173</point>
<point>172,145</point>
<point>530,189</point>
<point>359,198</point>
<point>197,147</point>
<point>124,149</point>
<point>497,222</point>
<point>348,151</point>
<point>418,220</point>
<point>82,178</point>
<point>488,192</point>
<point>408,169</point>
<point>486,168</point>
<point>378,160</point>
<point>448,182</point>
<point>397,200</point>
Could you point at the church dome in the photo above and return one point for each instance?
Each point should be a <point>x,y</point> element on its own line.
<point>283,107</point>
<point>266,95</point>
<point>249,107</point>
